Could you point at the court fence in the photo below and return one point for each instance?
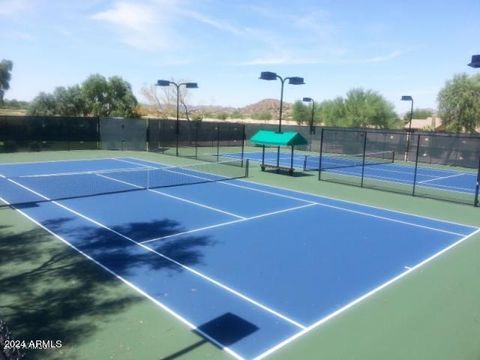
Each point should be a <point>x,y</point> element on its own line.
<point>441,166</point>
<point>206,141</point>
<point>438,166</point>
<point>193,139</point>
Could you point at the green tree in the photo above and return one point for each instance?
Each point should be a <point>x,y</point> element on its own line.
<point>365,108</point>
<point>222,116</point>
<point>332,112</point>
<point>236,114</point>
<point>418,114</point>
<point>459,103</point>
<point>123,101</point>
<point>6,67</point>
<point>43,105</point>
<point>96,93</point>
<point>301,113</point>
<point>69,101</point>
<point>95,96</point>
<point>264,115</point>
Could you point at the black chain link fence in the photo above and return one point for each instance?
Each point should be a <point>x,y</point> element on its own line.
<point>442,166</point>
<point>439,166</point>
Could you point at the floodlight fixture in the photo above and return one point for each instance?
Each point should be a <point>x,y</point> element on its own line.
<point>475,63</point>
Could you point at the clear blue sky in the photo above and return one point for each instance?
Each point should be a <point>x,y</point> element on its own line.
<point>393,47</point>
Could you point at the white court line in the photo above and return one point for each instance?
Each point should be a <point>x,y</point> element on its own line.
<point>236,185</point>
<point>390,219</point>
<point>90,172</point>
<point>456,189</point>
<point>229,223</point>
<point>132,286</point>
<point>400,181</point>
<point>362,298</point>
<point>176,197</point>
<point>442,177</point>
<point>193,271</point>
<point>51,161</point>
<point>321,197</point>
<point>358,212</point>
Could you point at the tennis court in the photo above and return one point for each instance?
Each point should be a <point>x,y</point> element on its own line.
<point>248,266</point>
<point>380,167</point>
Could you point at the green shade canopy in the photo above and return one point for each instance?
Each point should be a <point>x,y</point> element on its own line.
<point>290,138</point>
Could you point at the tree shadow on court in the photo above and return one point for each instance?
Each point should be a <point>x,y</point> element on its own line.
<point>50,292</point>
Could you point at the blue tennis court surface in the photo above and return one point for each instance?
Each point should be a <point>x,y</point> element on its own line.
<point>427,177</point>
<point>248,266</point>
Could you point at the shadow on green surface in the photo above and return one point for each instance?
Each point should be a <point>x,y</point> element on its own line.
<point>48,292</point>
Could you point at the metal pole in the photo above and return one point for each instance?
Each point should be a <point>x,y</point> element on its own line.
<point>291,162</point>
<point>177,129</point>
<point>477,188</point>
<point>280,118</point>
<point>263,157</point>
<point>320,157</point>
<point>363,157</point>
<point>218,142</point>
<point>281,105</point>
<point>409,132</point>
<point>243,142</point>
<point>313,115</point>
<point>416,166</point>
<point>196,141</point>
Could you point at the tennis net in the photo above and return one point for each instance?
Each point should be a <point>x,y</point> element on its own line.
<point>335,161</point>
<point>29,189</point>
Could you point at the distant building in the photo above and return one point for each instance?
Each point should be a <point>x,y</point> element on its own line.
<point>432,123</point>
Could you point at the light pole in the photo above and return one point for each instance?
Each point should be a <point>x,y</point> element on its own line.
<point>409,134</point>
<point>475,63</point>
<point>307,99</point>
<point>292,80</point>
<point>188,85</point>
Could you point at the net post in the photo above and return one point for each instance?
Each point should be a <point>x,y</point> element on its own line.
<point>278,158</point>
<point>363,157</point>
<point>291,161</point>
<point>477,187</point>
<point>416,165</point>
<point>263,157</point>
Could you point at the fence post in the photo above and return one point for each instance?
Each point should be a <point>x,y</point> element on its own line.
<point>477,188</point>
<point>218,142</point>
<point>363,157</point>
<point>196,141</point>
<point>320,157</point>
<point>416,165</point>
<point>243,142</point>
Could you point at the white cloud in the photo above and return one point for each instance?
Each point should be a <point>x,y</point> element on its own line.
<point>219,25</point>
<point>383,58</point>
<point>143,26</point>
<point>336,58</point>
<point>131,16</point>
<point>12,7</point>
